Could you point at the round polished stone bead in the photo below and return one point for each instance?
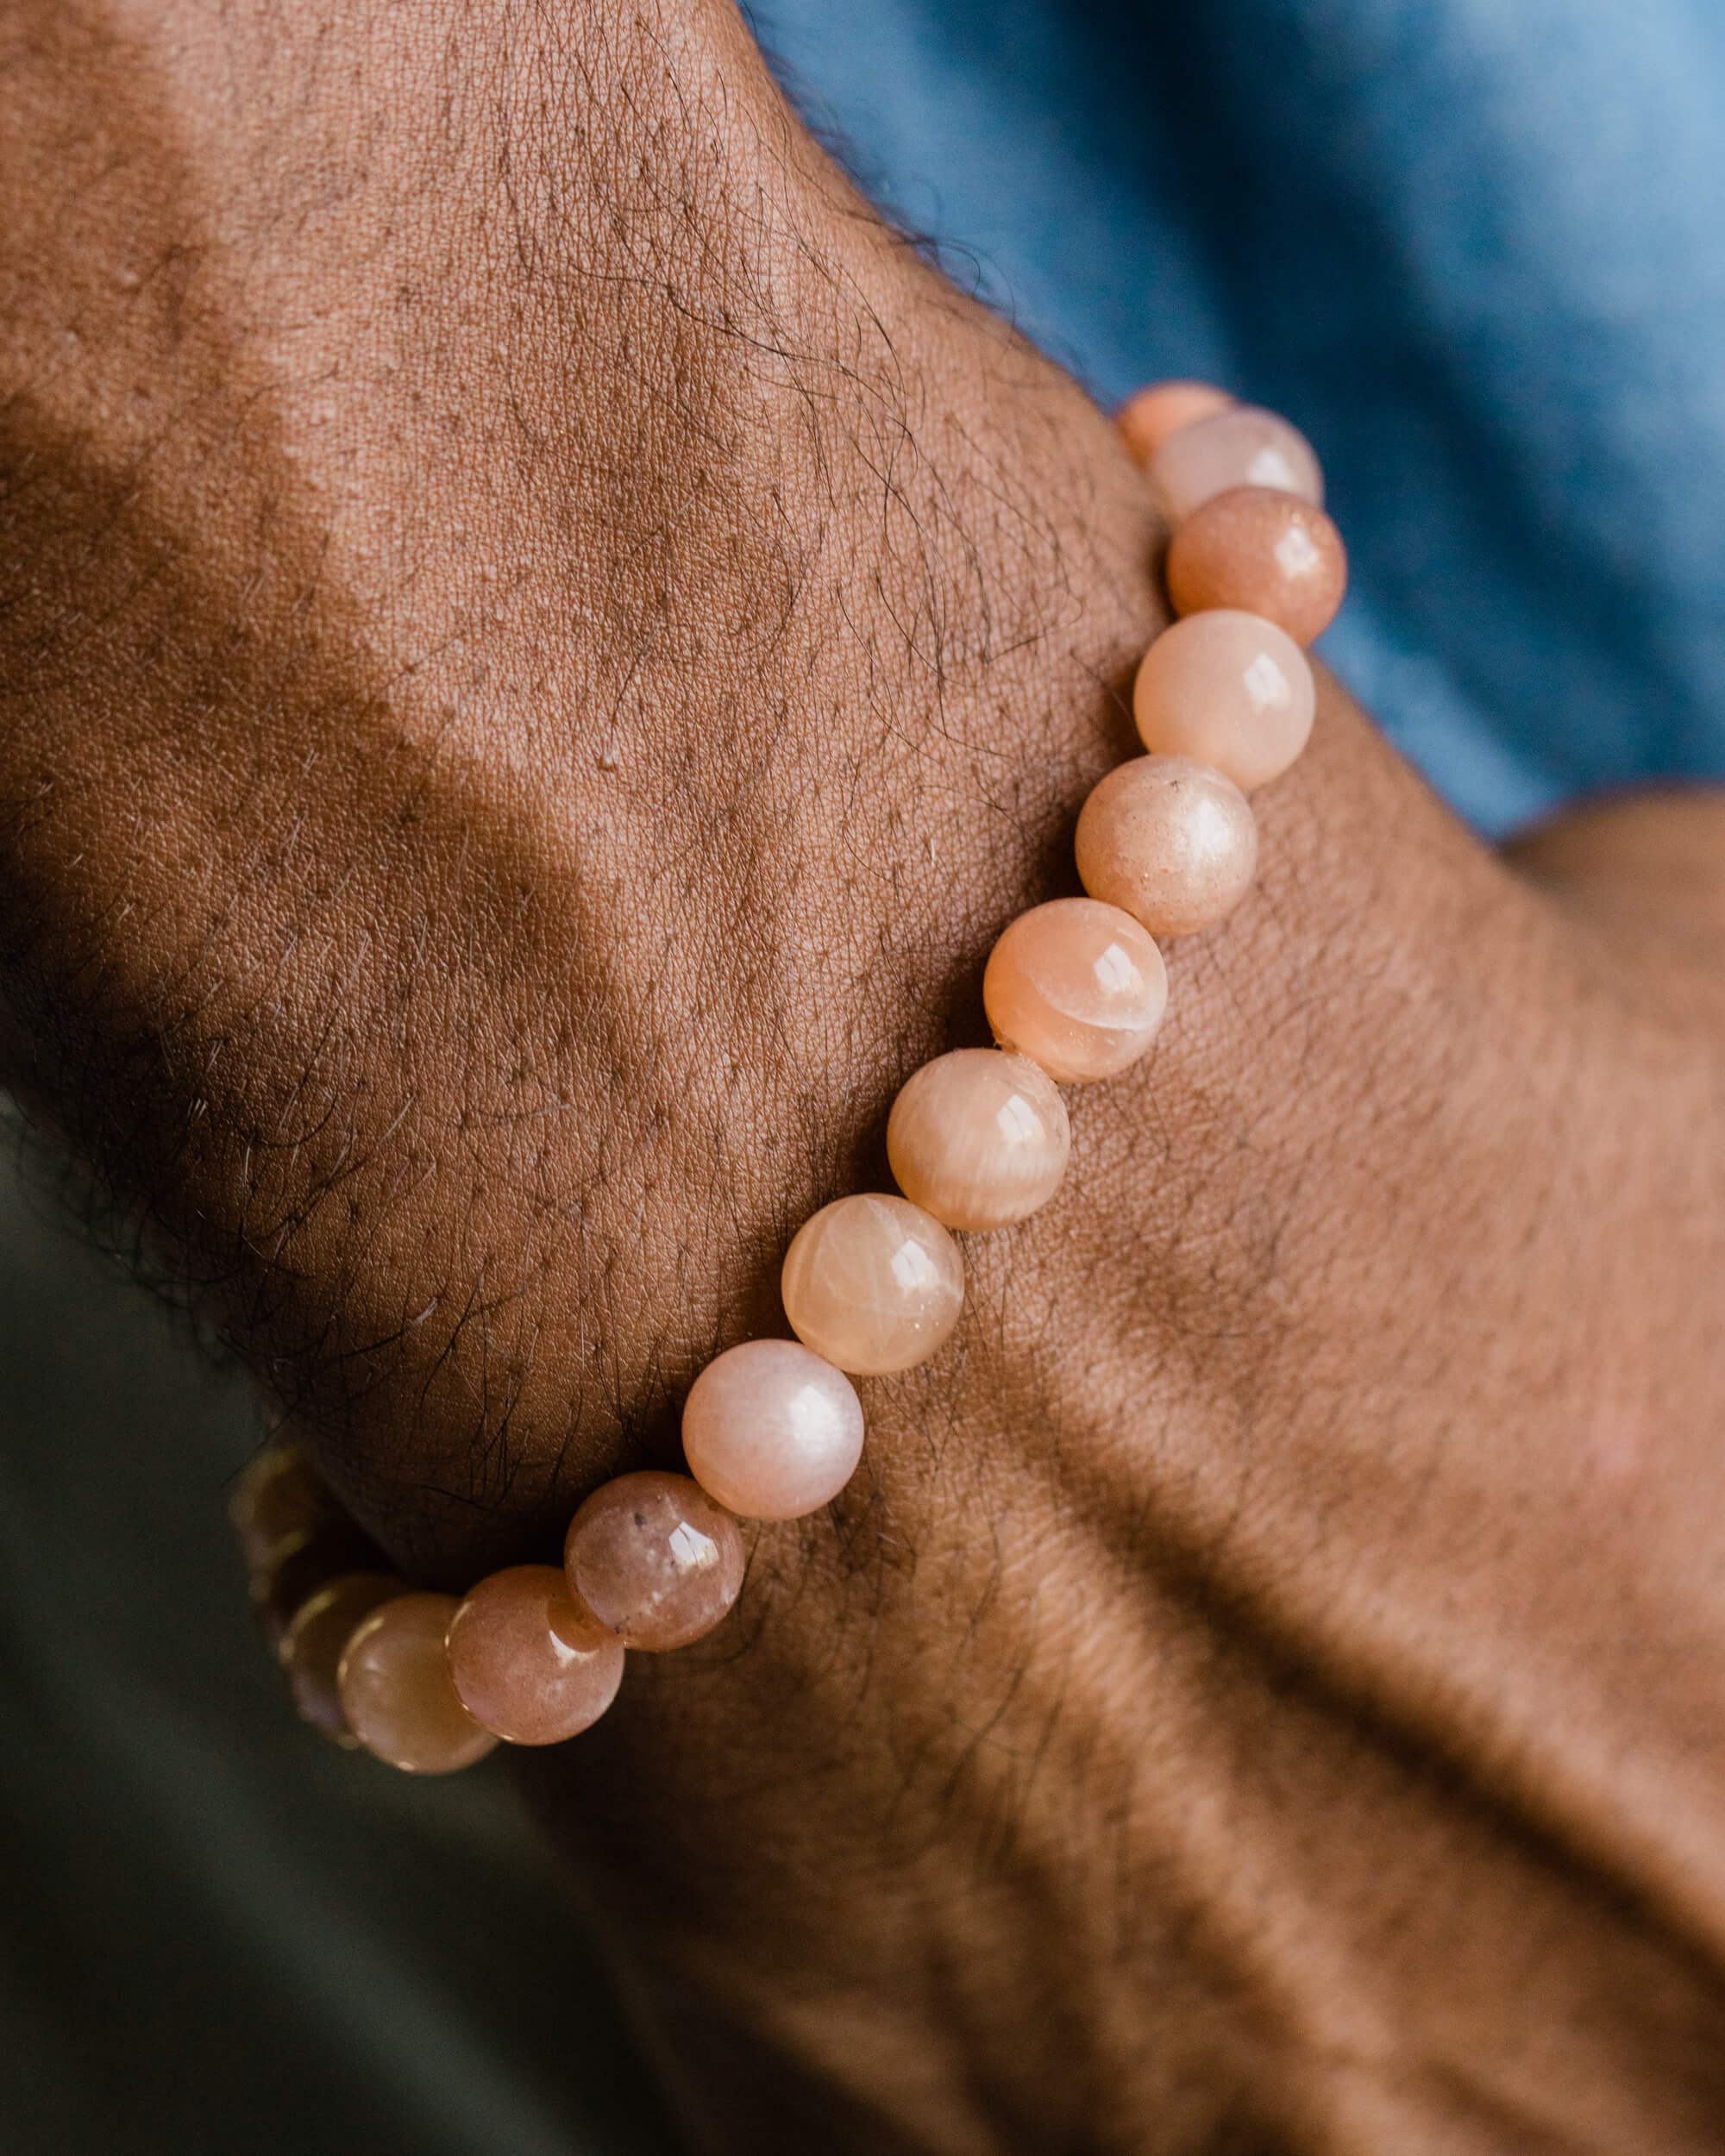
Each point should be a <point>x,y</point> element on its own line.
<point>278,1496</point>
<point>656,1561</point>
<point>1077,986</point>
<point>317,1638</point>
<point>873,1283</point>
<point>1230,689</point>
<point>1170,842</point>
<point>1243,446</point>
<point>303,1566</point>
<point>527,1661</point>
<point>396,1693</point>
<point>1267,552</point>
<point>978,1137</point>
<point>1147,418</point>
<point>771,1430</point>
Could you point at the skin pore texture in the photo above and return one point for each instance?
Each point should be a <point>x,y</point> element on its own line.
<point>541,646</point>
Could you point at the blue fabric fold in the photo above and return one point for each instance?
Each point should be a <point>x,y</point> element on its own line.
<point>1476,252</point>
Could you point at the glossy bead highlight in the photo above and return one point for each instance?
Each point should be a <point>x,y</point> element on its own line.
<point>304,1566</point>
<point>1243,446</point>
<point>317,1638</point>
<point>1147,418</point>
<point>654,1559</point>
<point>1265,552</point>
<point>1077,986</point>
<point>1169,841</point>
<point>771,1430</point>
<point>527,1661</point>
<point>395,1694</point>
<point>1229,689</point>
<point>873,1283</point>
<point>978,1138</point>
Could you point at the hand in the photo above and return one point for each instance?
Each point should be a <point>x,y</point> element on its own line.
<point>548,646</point>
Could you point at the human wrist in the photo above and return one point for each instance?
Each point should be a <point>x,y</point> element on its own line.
<point>1095,1766</point>
<point>300,924</point>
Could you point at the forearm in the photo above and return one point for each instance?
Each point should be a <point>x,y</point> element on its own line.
<point>582,646</point>
<point>447,635</point>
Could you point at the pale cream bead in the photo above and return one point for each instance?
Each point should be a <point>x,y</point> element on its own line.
<point>1229,689</point>
<point>978,1137</point>
<point>1246,447</point>
<point>1077,986</point>
<point>873,1283</point>
<point>396,1693</point>
<point>772,1430</point>
<point>1169,841</point>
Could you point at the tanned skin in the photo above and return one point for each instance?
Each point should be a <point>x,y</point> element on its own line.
<point>539,644</point>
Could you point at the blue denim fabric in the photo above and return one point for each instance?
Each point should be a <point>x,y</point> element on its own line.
<point>1476,248</point>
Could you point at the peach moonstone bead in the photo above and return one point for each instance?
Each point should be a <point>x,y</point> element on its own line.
<point>1244,446</point>
<point>771,1430</point>
<point>1230,689</point>
<point>1077,986</point>
<point>656,1561</point>
<point>528,1661</point>
<point>317,1638</point>
<point>873,1283</point>
<point>1264,551</point>
<point>1169,841</point>
<point>1150,416</point>
<point>396,1691</point>
<point>978,1137</point>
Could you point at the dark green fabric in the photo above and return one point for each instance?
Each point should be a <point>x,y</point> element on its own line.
<point>215,1932</point>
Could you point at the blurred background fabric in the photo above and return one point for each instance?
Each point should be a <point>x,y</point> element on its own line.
<point>217,1933</point>
<point>1478,253</point>
<point>1475,251</point>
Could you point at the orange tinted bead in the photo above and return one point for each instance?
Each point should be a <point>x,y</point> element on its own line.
<point>528,1662</point>
<point>397,1695</point>
<point>1169,841</point>
<point>1147,418</point>
<point>1077,986</point>
<point>978,1138</point>
<point>873,1283</point>
<point>656,1561</point>
<point>1265,553</point>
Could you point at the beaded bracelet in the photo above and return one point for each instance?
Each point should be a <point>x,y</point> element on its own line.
<point>978,1138</point>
